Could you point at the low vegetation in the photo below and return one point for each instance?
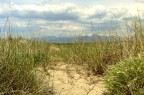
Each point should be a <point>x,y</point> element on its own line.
<point>126,77</point>
<point>20,57</point>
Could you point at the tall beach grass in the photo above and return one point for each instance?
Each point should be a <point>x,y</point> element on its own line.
<point>18,58</point>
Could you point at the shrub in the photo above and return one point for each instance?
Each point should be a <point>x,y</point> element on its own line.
<point>126,77</point>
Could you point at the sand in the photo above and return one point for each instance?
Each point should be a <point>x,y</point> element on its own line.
<point>69,79</point>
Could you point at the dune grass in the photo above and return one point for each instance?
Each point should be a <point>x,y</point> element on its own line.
<point>126,77</point>
<point>97,56</point>
<point>19,57</point>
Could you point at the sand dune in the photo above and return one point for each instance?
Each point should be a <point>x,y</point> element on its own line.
<point>69,79</point>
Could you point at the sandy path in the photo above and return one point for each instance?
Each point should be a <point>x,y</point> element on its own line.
<point>67,79</point>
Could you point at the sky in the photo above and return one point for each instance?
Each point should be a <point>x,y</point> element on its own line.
<point>38,18</point>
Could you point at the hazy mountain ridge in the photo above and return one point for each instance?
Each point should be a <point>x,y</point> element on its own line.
<point>91,38</point>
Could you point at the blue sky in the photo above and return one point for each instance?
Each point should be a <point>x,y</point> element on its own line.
<point>67,17</point>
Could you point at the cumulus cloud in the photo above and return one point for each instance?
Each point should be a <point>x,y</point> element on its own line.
<point>141,1</point>
<point>98,15</point>
<point>63,17</point>
<point>63,11</point>
<point>57,12</point>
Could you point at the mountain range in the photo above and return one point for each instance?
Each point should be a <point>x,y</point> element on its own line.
<point>91,38</point>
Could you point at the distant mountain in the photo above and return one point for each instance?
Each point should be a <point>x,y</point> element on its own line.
<point>96,37</point>
<point>91,38</point>
<point>54,39</point>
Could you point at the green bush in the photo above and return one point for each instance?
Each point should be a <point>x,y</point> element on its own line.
<point>126,77</point>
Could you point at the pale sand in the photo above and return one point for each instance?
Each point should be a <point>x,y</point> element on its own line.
<point>68,79</point>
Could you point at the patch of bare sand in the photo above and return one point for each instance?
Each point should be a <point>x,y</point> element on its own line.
<point>69,79</point>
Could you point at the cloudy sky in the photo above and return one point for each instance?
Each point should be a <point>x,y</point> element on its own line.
<point>66,17</point>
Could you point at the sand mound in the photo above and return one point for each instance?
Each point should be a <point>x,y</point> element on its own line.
<point>69,79</point>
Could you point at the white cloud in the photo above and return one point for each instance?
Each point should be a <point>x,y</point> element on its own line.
<point>83,12</point>
<point>68,17</point>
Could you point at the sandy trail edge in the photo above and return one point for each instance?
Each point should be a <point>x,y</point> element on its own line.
<point>69,79</point>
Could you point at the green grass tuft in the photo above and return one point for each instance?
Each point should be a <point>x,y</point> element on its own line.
<point>126,77</point>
